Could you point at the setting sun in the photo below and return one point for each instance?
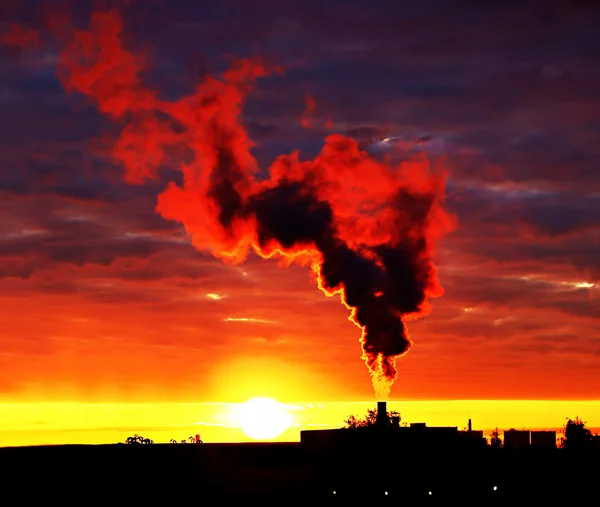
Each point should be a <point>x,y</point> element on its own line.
<point>263,418</point>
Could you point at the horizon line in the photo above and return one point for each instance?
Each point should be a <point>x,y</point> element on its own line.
<point>411,400</point>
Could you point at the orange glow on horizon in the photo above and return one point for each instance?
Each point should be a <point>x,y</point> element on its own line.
<point>46,423</point>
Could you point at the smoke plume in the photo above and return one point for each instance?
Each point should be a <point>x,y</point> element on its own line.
<point>366,227</point>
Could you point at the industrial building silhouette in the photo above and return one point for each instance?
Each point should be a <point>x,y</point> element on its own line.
<point>388,431</point>
<point>521,439</point>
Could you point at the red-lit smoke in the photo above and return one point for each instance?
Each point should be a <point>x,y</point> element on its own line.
<point>306,119</point>
<point>367,228</point>
<point>20,36</point>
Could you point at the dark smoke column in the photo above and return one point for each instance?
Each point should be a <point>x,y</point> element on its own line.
<point>367,227</point>
<point>380,283</point>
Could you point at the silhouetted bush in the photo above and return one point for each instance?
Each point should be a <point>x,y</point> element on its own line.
<point>353,422</point>
<point>576,435</point>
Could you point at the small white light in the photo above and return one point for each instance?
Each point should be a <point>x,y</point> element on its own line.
<point>430,493</point>
<point>386,493</point>
<point>335,492</point>
<point>495,488</point>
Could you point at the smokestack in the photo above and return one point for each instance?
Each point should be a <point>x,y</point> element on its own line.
<point>470,427</point>
<point>382,417</point>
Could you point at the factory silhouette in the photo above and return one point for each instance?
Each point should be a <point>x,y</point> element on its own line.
<point>386,429</point>
<point>418,463</point>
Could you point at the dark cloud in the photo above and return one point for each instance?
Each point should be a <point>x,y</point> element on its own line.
<point>548,214</point>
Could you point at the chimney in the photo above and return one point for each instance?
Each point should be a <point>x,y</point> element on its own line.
<point>470,427</point>
<point>382,417</point>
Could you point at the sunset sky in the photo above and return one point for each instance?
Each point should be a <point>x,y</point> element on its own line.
<point>113,322</point>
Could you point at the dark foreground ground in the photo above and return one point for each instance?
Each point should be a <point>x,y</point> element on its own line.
<point>288,473</point>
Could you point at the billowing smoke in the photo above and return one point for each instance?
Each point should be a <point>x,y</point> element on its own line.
<point>366,227</point>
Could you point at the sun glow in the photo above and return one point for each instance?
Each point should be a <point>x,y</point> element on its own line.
<point>263,418</point>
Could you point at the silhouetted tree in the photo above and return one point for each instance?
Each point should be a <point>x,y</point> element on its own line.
<point>394,413</point>
<point>495,440</point>
<point>172,441</point>
<point>576,435</point>
<point>352,422</point>
<point>192,439</point>
<point>138,439</point>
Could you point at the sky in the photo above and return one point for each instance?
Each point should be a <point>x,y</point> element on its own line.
<point>115,292</point>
